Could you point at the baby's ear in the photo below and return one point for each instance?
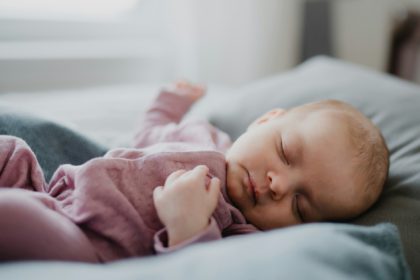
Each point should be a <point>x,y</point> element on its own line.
<point>270,115</point>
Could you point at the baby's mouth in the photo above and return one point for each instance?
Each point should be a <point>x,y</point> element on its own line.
<point>251,188</point>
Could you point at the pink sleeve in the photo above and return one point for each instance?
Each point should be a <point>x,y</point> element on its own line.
<point>162,123</point>
<point>212,232</point>
<point>167,110</point>
<point>19,166</point>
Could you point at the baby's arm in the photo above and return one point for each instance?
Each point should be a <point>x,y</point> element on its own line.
<point>166,112</point>
<point>19,166</point>
<point>185,205</point>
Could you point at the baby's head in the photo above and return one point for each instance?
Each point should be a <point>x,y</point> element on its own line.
<point>321,161</point>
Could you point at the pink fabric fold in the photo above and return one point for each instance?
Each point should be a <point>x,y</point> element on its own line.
<point>110,198</point>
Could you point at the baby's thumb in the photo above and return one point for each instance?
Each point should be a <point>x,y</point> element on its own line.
<point>214,190</point>
<point>157,193</point>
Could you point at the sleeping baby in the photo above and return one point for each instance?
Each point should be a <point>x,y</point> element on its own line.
<point>184,182</point>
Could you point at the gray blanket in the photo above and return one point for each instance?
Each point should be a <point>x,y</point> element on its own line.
<point>313,251</point>
<point>52,143</point>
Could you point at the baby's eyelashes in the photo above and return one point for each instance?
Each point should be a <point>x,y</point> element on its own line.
<point>283,153</point>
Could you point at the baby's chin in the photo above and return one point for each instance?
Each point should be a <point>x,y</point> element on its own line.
<point>230,187</point>
<point>233,187</point>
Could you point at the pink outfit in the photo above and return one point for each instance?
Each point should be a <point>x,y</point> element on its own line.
<point>110,198</point>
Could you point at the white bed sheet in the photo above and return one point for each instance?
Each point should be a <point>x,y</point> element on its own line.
<point>107,114</point>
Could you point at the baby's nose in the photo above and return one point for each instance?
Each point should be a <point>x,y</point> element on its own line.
<point>277,185</point>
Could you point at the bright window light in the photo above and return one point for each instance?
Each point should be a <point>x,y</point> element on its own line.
<point>67,9</point>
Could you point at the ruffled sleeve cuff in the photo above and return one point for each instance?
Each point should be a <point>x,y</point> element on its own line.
<point>211,232</point>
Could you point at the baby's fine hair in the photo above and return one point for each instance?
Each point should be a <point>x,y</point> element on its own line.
<point>371,151</point>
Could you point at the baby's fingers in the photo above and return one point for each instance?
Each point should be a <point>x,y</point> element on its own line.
<point>200,171</point>
<point>174,175</point>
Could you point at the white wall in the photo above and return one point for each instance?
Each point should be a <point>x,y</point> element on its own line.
<point>363,28</point>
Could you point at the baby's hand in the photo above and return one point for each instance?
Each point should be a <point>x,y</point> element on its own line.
<point>185,204</point>
<point>189,90</point>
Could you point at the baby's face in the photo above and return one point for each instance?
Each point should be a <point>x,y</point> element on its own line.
<point>292,168</point>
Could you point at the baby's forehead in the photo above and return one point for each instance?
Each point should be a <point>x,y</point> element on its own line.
<point>328,120</point>
<point>329,106</point>
<point>322,110</point>
<point>324,120</point>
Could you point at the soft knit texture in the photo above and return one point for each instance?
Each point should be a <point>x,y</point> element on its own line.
<point>110,197</point>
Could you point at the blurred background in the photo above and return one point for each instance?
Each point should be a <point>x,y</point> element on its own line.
<point>61,44</point>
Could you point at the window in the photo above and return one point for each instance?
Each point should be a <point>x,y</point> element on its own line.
<point>49,44</point>
<point>66,9</point>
